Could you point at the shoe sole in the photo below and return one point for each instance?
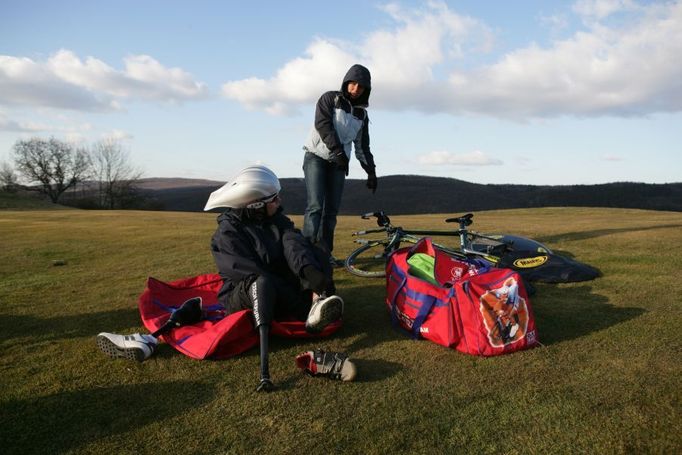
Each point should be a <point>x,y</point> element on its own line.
<point>328,314</point>
<point>112,350</point>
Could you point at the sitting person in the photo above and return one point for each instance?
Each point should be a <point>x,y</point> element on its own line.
<point>266,266</point>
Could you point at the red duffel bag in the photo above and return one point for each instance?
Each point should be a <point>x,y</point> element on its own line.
<point>477,310</point>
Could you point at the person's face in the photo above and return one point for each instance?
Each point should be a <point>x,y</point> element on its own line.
<point>272,206</point>
<point>355,89</point>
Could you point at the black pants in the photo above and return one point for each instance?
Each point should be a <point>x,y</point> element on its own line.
<point>270,296</point>
<point>279,297</point>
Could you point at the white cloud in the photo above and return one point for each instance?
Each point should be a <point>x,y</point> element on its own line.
<point>117,136</point>
<point>401,62</point>
<point>599,72</point>
<point>612,158</point>
<point>65,81</point>
<point>599,9</point>
<point>299,81</point>
<point>609,68</point>
<point>17,126</point>
<point>24,82</point>
<point>440,158</point>
<point>21,126</point>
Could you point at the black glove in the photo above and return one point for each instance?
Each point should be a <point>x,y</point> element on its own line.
<point>317,279</point>
<point>372,182</point>
<point>341,160</point>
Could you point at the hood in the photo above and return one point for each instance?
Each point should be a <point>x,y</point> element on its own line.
<point>360,74</point>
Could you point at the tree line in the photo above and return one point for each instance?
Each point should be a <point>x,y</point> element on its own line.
<point>100,176</point>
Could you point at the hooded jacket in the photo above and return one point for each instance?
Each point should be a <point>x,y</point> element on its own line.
<point>245,248</point>
<point>341,121</point>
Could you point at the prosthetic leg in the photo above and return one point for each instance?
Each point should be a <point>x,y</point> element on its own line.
<point>262,295</point>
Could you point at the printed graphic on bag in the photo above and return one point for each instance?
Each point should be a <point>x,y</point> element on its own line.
<point>505,314</point>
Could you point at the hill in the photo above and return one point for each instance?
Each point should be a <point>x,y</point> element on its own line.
<point>412,194</point>
<point>26,200</point>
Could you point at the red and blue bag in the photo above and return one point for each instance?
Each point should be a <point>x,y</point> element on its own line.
<point>476,310</point>
<point>218,335</point>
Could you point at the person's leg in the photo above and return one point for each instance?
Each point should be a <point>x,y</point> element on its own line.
<point>141,346</point>
<point>323,258</point>
<point>190,312</point>
<point>262,296</point>
<point>332,203</point>
<point>314,170</point>
<point>294,300</point>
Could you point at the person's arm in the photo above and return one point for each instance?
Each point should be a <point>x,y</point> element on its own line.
<point>297,249</point>
<point>324,124</point>
<point>235,258</point>
<point>364,155</point>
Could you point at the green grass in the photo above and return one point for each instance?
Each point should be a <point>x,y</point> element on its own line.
<point>607,380</point>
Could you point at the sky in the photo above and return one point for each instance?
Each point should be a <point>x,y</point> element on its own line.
<point>540,92</point>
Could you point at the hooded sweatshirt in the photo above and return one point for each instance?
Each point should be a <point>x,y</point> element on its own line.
<point>341,122</point>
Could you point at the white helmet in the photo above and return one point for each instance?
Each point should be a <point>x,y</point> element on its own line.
<point>254,184</point>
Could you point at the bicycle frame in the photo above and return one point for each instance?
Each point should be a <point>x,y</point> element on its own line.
<point>397,234</point>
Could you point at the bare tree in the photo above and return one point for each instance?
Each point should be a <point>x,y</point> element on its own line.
<point>55,165</point>
<point>8,179</point>
<point>115,174</point>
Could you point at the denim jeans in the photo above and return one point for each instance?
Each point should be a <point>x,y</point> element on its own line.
<point>324,185</point>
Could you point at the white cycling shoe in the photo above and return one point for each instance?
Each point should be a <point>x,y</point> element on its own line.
<point>132,347</point>
<point>324,311</point>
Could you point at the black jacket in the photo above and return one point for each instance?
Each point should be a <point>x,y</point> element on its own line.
<point>244,249</point>
<point>341,120</point>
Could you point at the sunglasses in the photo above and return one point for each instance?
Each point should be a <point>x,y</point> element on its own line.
<point>261,202</point>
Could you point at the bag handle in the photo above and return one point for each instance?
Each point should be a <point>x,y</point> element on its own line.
<point>424,245</point>
<point>426,302</point>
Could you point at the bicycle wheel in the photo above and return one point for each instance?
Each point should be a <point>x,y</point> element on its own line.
<point>369,261</point>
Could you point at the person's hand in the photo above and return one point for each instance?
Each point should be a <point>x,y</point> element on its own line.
<point>341,160</point>
<point>372,182</point>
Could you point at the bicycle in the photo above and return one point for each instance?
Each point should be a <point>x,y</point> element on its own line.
<point>369,260</point>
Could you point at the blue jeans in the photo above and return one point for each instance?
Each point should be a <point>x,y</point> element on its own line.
<point>324,185</point>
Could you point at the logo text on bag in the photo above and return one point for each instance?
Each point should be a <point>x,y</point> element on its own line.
<point>529,263</point>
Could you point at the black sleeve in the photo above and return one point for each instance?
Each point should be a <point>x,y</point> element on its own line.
<point>362,151</point>
<point>324,121</point>
<point>297,249</point>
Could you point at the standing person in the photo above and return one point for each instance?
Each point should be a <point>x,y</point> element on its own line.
<point>266,266</point>
<point>341,122</point>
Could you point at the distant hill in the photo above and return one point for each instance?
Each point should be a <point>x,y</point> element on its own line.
<point>412,194</point>
<point>27,200</point>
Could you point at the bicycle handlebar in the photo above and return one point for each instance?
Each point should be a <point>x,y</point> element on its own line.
<point>368,231</point>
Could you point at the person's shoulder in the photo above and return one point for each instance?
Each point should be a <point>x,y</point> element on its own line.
<point>330,95</point>
<point>229,221</point>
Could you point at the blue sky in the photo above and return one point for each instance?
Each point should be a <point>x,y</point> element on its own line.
<point>532,92</point>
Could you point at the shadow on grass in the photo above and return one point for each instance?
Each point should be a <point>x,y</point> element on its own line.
<point>583,235</point>
<point>568,313</point>
<point>71,326</point>
<point>366,314</point>
<point>64,421</point>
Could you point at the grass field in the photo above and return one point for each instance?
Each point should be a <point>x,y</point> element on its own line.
<point>608,379</point>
